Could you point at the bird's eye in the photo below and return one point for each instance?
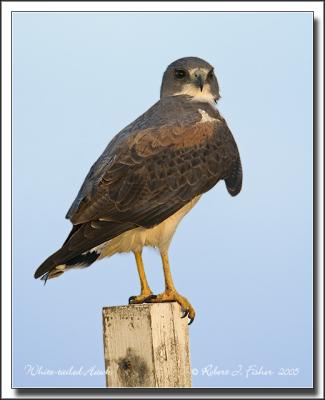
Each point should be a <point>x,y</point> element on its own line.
<point>180,73</point>
<point>210,75</point>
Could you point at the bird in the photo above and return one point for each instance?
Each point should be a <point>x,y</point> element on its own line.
<point>150,175</point>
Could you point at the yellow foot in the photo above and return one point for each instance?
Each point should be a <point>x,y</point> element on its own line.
<point>172,295</point>
<point>143,297</point>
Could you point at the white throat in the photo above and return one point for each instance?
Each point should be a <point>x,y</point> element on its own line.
<point>197,95</point>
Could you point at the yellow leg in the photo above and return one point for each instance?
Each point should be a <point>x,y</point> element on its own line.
<point>169,284</point>
<point>145,289</point>
<point>170,293</point>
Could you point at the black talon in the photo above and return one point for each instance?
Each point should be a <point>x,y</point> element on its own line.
<point>185,314</point>
<point>152,296</point>
<point>191,320</point>
<point>131,298</point>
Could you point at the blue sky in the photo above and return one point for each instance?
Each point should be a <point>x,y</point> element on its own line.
<point>245,263</point>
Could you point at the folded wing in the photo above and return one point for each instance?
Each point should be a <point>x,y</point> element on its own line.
<point>144,176</point>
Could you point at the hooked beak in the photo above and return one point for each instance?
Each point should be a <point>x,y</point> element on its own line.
<point>199,81</point>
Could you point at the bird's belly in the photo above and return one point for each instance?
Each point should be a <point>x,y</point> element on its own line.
<point>159,236</point>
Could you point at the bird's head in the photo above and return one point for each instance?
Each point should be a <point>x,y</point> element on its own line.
<point>190,76</point>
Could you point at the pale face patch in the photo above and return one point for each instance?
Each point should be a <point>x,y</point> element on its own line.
<point>193,71</point>
<point>191,90</point>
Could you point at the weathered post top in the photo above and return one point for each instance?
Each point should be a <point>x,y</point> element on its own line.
<point>146,345</point>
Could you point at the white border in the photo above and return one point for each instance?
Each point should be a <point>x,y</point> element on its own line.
<point>7,8</point>
<point>315,6</point>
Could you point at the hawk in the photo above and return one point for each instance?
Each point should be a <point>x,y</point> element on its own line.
<point>150,176</point>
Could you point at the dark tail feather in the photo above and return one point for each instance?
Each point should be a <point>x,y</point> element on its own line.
<point>47,269</point>
<point>51,274</point>
<point>57,258</point>
<point>77,249</point>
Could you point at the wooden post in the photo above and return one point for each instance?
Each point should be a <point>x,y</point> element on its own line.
<point>146,345</point>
